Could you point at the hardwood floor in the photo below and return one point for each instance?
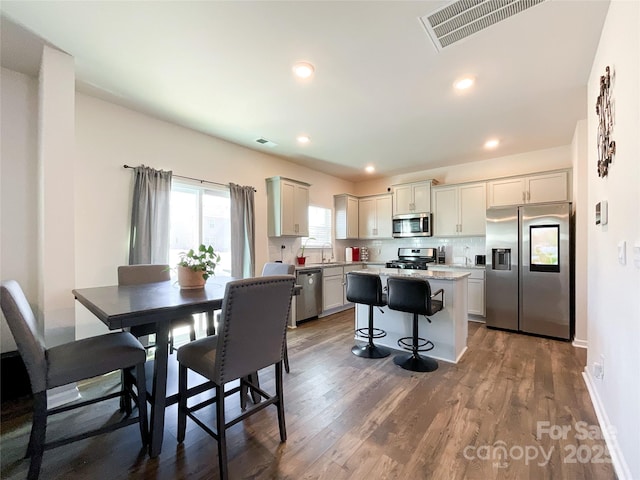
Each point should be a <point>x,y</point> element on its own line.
<point>354,418</point>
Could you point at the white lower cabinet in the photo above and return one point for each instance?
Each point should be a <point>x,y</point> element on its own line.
<point>334,287</point>
<point>475,298</point>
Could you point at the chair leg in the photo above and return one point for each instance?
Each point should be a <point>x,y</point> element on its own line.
<point>141,386</point>
<point>125,399</point>
<point>244,393</point>
<point>286,357</point>
<point>182,402</point>
<point>255,380</point>
<point>370,350</point>
<point>415,362</point>
<point>222,434</point>
<point>127,386</point>
<point>280,403</point>
<point>38,432</point>
<point>192,331</point>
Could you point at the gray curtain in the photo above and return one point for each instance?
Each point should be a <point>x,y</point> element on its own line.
<point>243,242</point>
<point>149,236</point>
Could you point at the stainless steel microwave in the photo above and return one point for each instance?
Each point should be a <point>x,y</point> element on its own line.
<point>412,225</point>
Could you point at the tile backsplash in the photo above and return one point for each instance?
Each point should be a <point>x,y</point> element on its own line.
<point>379,250</point>
<point>384,250</point>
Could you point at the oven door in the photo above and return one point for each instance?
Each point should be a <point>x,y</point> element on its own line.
<point>412,225</point>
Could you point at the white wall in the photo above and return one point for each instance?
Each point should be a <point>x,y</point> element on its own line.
<point>56,174</point>
<point>614,288</point>
<point>18,192</point>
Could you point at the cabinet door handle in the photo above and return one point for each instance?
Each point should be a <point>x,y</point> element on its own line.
<point>529,195</point>
<point>524,196</point>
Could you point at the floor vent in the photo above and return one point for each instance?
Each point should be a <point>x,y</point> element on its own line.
<point>265,142</point>
<point>463,18</point>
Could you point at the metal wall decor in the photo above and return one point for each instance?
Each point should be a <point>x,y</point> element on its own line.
<point>606,146</point>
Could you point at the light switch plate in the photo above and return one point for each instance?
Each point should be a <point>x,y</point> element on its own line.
<point>602,213</point>
<point>622,252</point>
<point>636,254</point>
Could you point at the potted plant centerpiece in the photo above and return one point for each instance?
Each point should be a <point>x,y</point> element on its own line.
<point>301,258</point>
<point>196,266</point>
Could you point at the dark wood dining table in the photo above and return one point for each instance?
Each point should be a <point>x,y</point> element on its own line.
<point>153,304</point>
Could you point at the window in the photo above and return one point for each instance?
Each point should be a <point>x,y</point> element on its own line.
<point>200,215</point>
<point>319,227</point>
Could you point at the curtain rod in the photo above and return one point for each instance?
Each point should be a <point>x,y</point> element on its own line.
<point>194,179</point>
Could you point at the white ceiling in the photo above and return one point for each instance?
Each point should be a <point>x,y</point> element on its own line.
<point>381,94</point>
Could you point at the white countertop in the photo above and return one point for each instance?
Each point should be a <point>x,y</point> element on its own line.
<point>334,264</point>
<point>456,266</point>
<point>436,268</point>
<point>429,274</point>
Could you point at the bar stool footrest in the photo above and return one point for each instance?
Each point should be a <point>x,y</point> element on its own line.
<point>424,345</point>
<point>375,333</point>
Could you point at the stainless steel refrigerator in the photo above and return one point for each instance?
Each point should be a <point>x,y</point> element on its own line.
<point>529,262</point>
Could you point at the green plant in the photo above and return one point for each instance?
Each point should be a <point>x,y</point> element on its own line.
<point>203,260</point>
<point>305,245</point>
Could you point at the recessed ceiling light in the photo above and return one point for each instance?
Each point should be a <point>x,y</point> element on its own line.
<point>493,143</point>
<point>303,139</point>
<point>369,169</point>
<point>464,83</point>
<point>303,69</point>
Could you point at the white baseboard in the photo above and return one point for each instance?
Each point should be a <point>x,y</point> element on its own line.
<point>61,395</point>
<point>617,458</point>
<point>580,343</point>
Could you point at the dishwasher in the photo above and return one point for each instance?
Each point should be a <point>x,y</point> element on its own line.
<point>309,301</point>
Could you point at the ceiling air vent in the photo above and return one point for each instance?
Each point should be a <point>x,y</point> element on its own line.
<point>265,142</point>
<point>463,18</point>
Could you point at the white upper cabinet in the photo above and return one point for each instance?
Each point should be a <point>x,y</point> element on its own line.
<point>346,216</point>
<point>287,207</point>
<point>374,216</point>
<point>459,209</point>
<point>412,198</point>
<point>551,187</point>
<point>541,188</point>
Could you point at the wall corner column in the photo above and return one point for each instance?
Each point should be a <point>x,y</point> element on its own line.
<point>56,210</point>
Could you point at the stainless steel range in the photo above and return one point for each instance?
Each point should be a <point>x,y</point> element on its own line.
<point>414,258</point>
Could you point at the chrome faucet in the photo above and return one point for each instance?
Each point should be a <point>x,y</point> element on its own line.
<point>331,247</point>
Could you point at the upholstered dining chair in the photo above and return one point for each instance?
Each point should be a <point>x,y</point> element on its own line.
<point>275,268</point>
<point>151,273</point>
<point>251,336</point>
<point>70,363</point>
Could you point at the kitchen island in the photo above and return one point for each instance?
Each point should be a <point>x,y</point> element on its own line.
<point>448,330</point>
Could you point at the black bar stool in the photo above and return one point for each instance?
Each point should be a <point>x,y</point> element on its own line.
<point>413,295</point>
<point>366,289</point>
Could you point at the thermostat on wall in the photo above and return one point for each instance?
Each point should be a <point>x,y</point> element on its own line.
<point>602,214</point>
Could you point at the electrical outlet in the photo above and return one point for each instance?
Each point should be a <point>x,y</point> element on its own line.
<point>597,370</point>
